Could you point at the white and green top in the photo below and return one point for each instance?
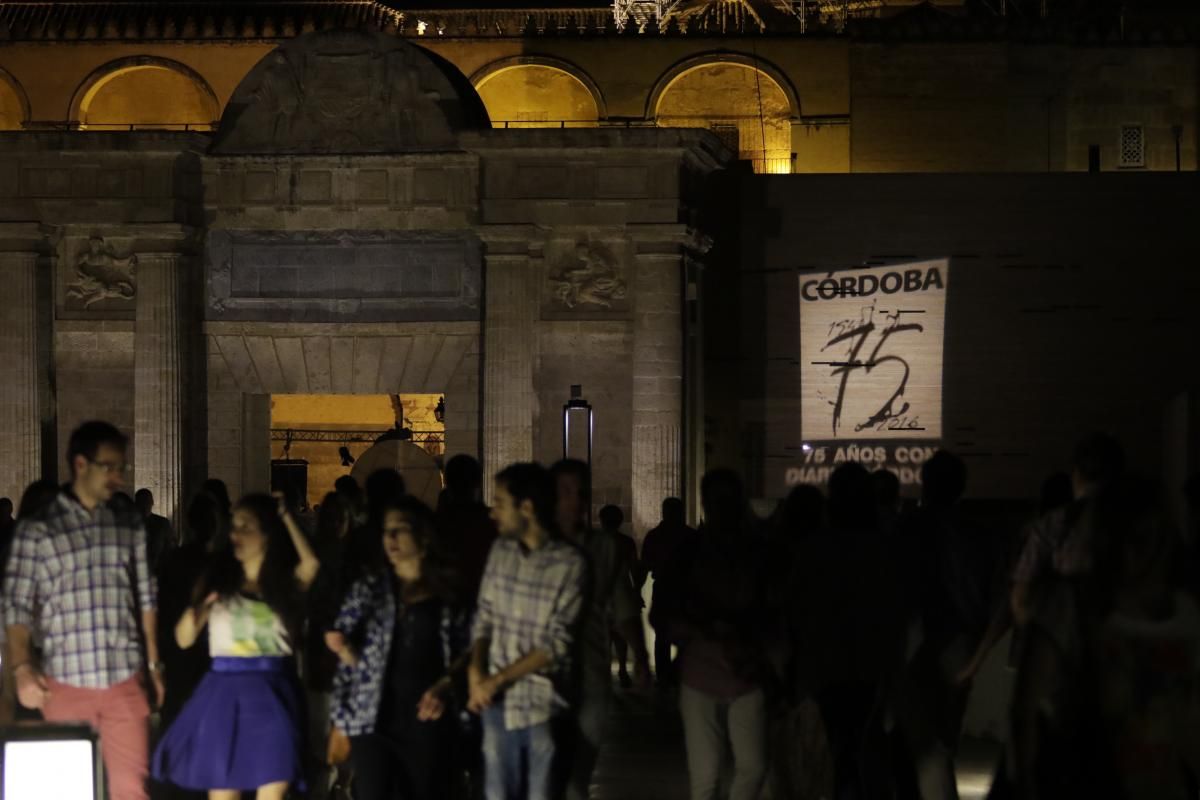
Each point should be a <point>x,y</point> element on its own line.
<point>246,627</point>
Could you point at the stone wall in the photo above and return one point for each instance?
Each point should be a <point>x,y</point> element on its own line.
<point>94,374</point>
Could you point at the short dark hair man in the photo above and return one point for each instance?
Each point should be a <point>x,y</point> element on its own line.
<point>76,572</point>
<point>611,603</point>
<point>529,607</point>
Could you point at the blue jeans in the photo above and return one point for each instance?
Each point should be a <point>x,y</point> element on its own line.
<point>518,765</point>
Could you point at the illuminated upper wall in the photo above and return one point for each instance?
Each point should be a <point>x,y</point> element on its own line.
<point>537,96</point>
<point>728,97</point>
<point>146,95</point>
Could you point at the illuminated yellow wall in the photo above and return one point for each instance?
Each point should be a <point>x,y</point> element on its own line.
<point>354,411</point>
<point>146,96</point>
<point>345,412</point>
<point>733,94</point>
<point>11,112</point>
<point>536,96</point>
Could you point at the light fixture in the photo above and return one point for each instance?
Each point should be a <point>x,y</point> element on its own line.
<point>42,761</point>
<point>439,411</point>
<point>347,459</point>
<point>581,411</point>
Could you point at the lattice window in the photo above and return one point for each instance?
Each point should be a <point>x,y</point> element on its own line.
<point>1132,146</point>
<point>729,136</point>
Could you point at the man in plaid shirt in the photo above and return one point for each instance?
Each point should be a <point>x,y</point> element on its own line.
<point>530,605</point>
<point>78,577</point>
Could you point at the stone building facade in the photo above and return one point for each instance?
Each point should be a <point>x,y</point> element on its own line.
<point>353,226</point>
<point>792,85</point>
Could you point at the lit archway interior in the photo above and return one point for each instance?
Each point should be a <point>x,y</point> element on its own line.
<point>12,113</point>
<point>147,96</point>
<point>537,96</point>
<point>312,429</point>
<point>744,106</point>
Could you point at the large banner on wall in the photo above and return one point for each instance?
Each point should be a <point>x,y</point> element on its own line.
<point>871,353</point>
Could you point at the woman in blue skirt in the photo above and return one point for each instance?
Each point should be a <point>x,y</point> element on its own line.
<point>242,729</point>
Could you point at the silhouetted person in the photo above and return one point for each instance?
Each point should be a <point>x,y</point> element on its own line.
<point>799,763</point>
<point>333,524</point>
<point>954,585</point>
<point>364,549</point>
<point>609,602</point>
<point>464,522</point>
<point>849,622</point>
<point>160,539</point>
<point>352,494</point>
<point>717,621</point>
<point>7,523</point>
<point>219,492</point>
<point>1105,705</point>
<point>1059,543</point>
<point>611,519</point>
<point>886,487</point>
<point>36,497</point>
<point>662,548</point>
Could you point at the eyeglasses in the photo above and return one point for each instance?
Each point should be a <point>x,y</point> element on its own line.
<point>113,467</point>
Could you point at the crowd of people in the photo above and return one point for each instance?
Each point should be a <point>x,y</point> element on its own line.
<point>377,648</point>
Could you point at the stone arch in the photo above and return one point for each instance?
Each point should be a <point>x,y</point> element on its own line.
<point>112,94</point>
<point>14,103</point>
<point>559,87</point>
<point>681,68</point>
<point>349,92</point>
<point>746,101</point>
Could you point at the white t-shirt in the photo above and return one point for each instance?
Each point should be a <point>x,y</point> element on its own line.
<point>245,627</point>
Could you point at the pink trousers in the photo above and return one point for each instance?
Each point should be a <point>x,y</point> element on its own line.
<point>121,715</point>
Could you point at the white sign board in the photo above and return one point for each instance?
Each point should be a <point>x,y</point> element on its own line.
<point>871,353</point>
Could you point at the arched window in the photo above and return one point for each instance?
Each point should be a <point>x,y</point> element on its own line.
<point>745,106</point>
<point>537,95</point>
<point>145,93</point>
<point>14,105</point>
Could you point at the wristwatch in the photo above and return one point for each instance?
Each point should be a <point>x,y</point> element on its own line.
<point>158,667</point>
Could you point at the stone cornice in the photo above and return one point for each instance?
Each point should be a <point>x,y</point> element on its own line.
<point>276,21</point>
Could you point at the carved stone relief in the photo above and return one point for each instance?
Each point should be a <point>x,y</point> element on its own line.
<point>99,275</point>
<point>347,92</point>
<point>586,277</point>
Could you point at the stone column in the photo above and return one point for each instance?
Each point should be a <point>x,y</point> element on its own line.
<point>160,386</point>
<point>657,386</point>
<point>510,302</point>
<point>20,414</point>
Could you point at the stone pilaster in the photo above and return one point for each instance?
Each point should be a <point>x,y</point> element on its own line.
<point>160,380</point>
<point>20,412</point>
<point>511,289</point>
<point>657,386</point>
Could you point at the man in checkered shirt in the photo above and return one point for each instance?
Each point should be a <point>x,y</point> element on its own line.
<point>78,577</point>
<point>530,606</point>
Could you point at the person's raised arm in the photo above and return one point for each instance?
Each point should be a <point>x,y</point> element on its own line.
<point>306,570</point>
<point>193,620</point>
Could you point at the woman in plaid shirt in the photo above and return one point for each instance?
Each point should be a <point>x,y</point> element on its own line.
<point>400,637</point>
